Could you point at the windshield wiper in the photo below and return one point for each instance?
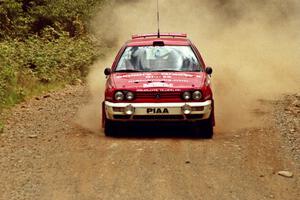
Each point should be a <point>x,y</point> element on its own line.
<point>128,70</point>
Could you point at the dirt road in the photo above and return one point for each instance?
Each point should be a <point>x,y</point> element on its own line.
<point>45,155</point>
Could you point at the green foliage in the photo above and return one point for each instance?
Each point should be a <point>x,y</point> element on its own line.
<point>37,60</point>
<point>43,44</point>
<point>21,18</point>
<point>1,127</point>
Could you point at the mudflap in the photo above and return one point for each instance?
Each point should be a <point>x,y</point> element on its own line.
<point>103,115</point>
<point>213,121</point>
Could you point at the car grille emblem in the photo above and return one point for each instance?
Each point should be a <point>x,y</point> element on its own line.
<point>157,96</point>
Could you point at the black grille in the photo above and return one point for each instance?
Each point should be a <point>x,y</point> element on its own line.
<point>162,117</point>
<point>122,116</point>
<point>158,95</point>
<point>194,116</point>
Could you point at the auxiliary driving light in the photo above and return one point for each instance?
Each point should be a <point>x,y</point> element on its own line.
<point>186,109</point>
<point>129,110</point>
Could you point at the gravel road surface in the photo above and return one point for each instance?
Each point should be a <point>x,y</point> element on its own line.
<point>45,155</point>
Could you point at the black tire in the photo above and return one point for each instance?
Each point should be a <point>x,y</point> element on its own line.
<point>111,129</point>
<point>208,129</point>
<point>204,129</point>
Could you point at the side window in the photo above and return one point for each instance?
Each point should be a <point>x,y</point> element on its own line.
<point>124,62</point>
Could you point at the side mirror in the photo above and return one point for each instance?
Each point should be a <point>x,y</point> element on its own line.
<point>208,70</point>
<point>107,71</point>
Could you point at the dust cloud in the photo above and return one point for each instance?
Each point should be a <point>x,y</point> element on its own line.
<point>89,116</point>
<point>253,47</point>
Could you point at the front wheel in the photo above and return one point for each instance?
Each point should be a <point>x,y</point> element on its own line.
<point>111,128</point>
<point>204,129</point>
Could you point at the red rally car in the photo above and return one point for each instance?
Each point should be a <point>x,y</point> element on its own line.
<point>159,78</point>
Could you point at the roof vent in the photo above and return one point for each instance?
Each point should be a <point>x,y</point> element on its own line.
<point>159,43</point>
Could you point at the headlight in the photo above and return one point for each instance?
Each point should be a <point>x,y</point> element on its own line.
<point>129,96</point>
<point>186,95</point>
<point>197,95</point>
<point>119,96</point>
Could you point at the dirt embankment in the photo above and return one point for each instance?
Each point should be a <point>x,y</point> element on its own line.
<point>45,155</point>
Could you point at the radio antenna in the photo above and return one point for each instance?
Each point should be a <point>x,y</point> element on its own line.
<point>158,31</point>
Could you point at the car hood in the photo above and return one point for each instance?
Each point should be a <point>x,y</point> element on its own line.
<point>158,80</point>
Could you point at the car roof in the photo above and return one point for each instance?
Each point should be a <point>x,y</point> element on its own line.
<point>168,39</point>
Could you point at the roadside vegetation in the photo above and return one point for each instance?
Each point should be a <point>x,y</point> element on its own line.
<point>44,44</point>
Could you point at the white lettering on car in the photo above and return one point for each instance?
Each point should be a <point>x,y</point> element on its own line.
<point>158,90</point>
<point>165,80</point>
<point>158,84</point>
<point>151,75</point>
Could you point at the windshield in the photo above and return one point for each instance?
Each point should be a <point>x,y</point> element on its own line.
<point>158,58</point>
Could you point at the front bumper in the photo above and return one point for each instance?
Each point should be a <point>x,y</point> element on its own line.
<point>187,111</point>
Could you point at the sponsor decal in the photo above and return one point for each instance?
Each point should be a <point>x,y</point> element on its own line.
<point>162,80</point>
<point>176,74</point>
<point>157,111</point>
<point>157,84</point>
<point>153,75</point>
<point>157,77</point>
<point>158,90</point>
<point>130,75</point>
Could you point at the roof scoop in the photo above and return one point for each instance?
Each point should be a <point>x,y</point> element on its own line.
<point>159,43</point>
